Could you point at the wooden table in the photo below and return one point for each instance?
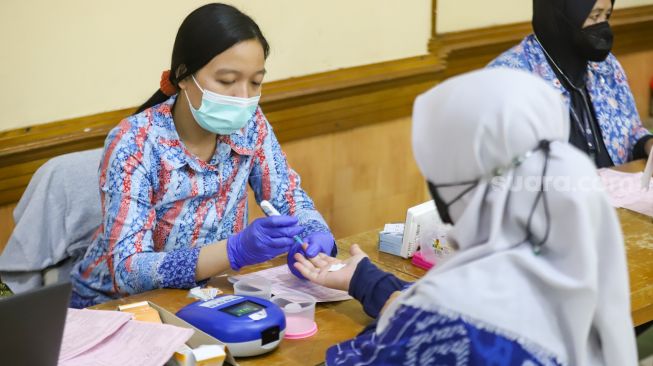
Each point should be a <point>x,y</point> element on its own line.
<point>336,322</point>
<point>343,320</point>
<point>638,235</point>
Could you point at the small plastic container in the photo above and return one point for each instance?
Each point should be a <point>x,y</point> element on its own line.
<point>260,288</point>
<point>433,247</point>
<point>300,314</point>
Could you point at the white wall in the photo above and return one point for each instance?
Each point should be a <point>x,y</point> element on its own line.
<point>458,15</point>
<point>67,58</point>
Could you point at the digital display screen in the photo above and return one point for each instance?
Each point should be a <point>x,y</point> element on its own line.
<point>242,308</point>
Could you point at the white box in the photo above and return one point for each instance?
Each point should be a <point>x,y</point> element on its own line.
<point>418,219</point>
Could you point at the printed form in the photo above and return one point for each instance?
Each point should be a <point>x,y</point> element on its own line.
<point>283,281</point>
<point>625,190</point>
<point>97,337</point>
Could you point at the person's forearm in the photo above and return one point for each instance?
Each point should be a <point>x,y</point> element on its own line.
<point>372,287</point>
<point>174,269</point>
<point>648,147</point>
<point>212,261</point>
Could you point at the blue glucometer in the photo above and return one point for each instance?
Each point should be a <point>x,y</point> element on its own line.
<point>249,326</point>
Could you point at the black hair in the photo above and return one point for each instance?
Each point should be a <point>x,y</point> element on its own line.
<point>205,33</point>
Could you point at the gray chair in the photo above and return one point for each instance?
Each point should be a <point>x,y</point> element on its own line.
<point>55,219</point>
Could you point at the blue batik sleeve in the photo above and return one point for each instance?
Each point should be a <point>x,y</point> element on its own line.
<point>129,217</point>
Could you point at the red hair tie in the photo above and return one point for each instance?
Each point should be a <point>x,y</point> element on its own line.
<point>166,86</point>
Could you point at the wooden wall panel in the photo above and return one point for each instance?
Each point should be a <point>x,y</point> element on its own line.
<point>359,179</point>
<point>6,224</point>
<point>639,69</point>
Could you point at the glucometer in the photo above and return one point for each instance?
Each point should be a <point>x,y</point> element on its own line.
<point>249,326</point>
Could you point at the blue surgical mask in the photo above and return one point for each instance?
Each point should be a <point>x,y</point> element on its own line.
<point>221,114</point>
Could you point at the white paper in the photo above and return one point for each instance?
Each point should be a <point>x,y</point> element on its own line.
<point>283,280</point>
<point>393,228</point>
<point>336,267</point>
<point>84,329</point>
<point>624,190</point>
<point>134,344</point>
<point>204,294</point>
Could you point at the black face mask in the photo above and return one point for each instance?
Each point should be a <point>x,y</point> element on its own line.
<point>443,207</point>
<point>595,42</point>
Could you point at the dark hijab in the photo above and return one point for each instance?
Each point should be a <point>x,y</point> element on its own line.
<point>558,25</point>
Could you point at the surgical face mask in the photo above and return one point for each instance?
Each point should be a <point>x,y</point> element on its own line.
<point>221,114</point>
<point>595,42</point>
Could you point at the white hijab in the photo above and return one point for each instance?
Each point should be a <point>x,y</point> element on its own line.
<point>572,301</point>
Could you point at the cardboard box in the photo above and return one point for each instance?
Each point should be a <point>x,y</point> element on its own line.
<point>199,337</point>
<point>141,311</point>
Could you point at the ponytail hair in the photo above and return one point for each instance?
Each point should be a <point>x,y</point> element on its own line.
<point>157,98</point>
<point>205,33</point>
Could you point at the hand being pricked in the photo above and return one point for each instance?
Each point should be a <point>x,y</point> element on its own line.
<point>324,271</point>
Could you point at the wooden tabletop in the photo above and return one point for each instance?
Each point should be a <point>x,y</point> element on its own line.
<point>638,235</point>
<point>336,321</point>
<point>340,321</point>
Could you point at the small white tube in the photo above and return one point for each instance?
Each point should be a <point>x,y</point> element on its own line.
<point>268,209</point>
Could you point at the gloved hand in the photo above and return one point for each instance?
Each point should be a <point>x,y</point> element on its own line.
<point>263,240</point>
<point>318,242</point>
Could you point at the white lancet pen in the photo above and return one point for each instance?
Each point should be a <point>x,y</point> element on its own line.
<point>269,210</point>
<point>648,172</point>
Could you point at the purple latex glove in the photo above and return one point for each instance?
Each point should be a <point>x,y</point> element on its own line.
<point>318,242</point>
<point>262,240</point>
